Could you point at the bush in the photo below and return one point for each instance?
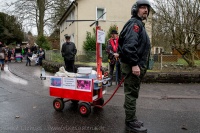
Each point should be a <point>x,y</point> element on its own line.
<point>90,43</point>
<point>43,42</point>
<point>89,47</point>
<point>57,57</point>
<point>51,66</point>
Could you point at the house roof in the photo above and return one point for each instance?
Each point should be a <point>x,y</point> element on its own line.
<point>66,12</point>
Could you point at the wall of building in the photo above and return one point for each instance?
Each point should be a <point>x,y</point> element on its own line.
<point>114,16</point>
<point>68,27</point>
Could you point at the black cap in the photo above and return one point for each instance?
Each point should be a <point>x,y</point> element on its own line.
<point>67,36</point>
<point>114,32</point>
<point>136,6</point>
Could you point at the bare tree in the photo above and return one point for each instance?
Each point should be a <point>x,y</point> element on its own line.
<point>31,38</point>
<point>60,6</point>
<point>38,13</point>
<point>178,21</point>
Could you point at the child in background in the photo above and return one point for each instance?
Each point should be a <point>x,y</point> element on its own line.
<point>28,55</point>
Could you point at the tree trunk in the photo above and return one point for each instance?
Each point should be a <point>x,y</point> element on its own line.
<point>41,10</point>
<point>188,56</point>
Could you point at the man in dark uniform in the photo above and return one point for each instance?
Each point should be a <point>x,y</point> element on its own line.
<point>68,53</point>
<point>134,50</point>
<point>111,49</point>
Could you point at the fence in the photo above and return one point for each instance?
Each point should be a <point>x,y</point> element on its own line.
<point>172,63</point>
<point>160,63</point>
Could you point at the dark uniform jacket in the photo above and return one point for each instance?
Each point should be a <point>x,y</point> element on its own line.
<point>68,51</point>
<point>134,44</point>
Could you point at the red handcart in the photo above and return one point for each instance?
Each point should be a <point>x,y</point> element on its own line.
<point>84,90</point>
<point>87,90</point>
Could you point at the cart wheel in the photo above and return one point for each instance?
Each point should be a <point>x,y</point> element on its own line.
<point>84,109</point>
<point>75,101</point>
<point>58,104</point>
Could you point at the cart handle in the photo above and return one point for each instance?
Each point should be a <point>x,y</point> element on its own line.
<point>114,91</point>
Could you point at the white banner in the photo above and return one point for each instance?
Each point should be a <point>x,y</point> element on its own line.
<point>100,36</point>
<point>69,83</point>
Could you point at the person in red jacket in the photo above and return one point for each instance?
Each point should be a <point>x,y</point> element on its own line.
<point>111,49</point>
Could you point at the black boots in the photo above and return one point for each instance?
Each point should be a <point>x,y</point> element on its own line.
<point>135,126</point>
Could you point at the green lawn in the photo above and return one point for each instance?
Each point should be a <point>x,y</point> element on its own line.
<point>182,61</point>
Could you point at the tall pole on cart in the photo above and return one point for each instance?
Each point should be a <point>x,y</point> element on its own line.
<point>98,55</point>
<point>98,49</point>
<point>98,60</point>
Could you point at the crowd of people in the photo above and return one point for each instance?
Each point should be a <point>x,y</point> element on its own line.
<point>18,53</point>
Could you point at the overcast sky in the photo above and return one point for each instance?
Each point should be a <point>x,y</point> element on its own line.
<point>2,4</point>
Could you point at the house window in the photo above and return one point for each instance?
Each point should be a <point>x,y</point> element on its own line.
<point>99,12</point>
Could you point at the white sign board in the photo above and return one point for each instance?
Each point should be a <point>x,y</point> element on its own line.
<point>69,83</point>
<point>100,36</point>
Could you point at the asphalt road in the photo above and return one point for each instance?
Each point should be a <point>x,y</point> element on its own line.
<point>26,107</point>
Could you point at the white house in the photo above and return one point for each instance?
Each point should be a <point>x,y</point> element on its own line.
<point>118,12</point>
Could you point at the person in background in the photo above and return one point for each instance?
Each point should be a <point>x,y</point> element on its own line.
<point>2,56</point>
<point>23,52</point>
<point>26,49</point>
<point>43,54</point>
<point>68,53</point>
<point>13,54</point>
<point>111,50</point>
<point>6,54</point>
<point>134,50</point>
<point>9,54</point>
<point>40,56</point>
<point>18,52</point>
<point>28,55</point>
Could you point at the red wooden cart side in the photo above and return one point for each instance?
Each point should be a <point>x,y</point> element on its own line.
<point>79,95</point>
